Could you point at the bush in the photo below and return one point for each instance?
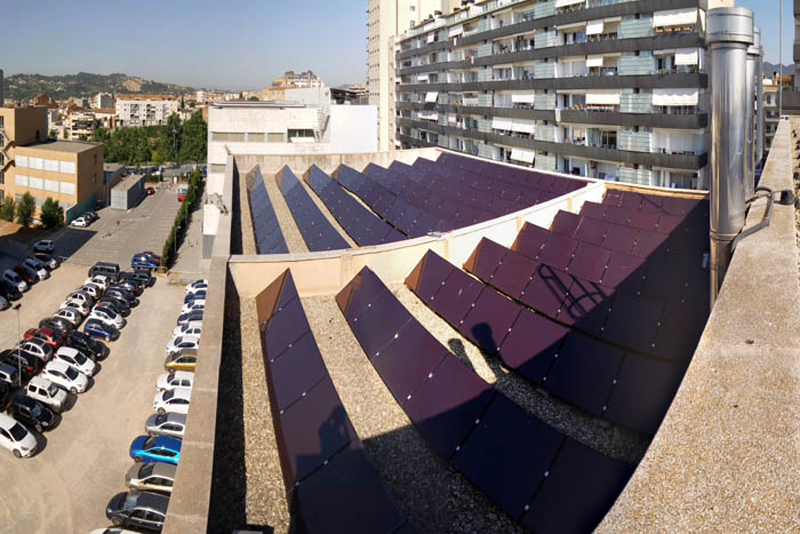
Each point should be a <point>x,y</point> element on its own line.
<point>7,209</point>
<point>52,213</point>
<point>182,219</point>
<point>26,207</point>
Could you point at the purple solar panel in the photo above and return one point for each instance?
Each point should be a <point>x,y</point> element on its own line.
<point>613,197</point>
<point>586,306</point>
<point>531,344</point>
<point>592,231</point>
<point>620,238</point>
<point>644,221</point>
<point>285,327</point>
<point>681,327</point>
<point>485,258</point>
<point>445,407</point>
<point>633,322</point>
<point>649,242</point>
<point>357,296</point>
<point>298,369</point>
<point>668,223</point>
<point>631,200</point>
<point>514,273</point>
<point>624,270</point>
<point>507,454</point>
<point>489,320</point>
<point>530,240</point>
<point>590,479</point>
<point>589,262</point>
<point>593,210</point>
<point>557,251</point>
<point>429,275</point>
<point>616,215</point>
<point>456,296</point>
<point>377,326</point>
<point>566,223</point>
<point>547,291</point>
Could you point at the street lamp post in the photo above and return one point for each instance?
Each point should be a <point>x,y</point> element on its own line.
<point>16,307</point>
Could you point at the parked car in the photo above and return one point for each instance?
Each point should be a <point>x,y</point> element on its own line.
<point>112,530</point>
<point>65,377</point>
<point>13,278</point>
<point>143,260</point>
<point>87,345</point>
<point>105,315</point>
<point>73,315</point>
<point>75,358</point>
<point>153,256</point>
<point>194,289</point>
<point>182,191</point>
<point>193,328</point>
<point>4,303</point>
<point>81,296</point>
<point>91,215</point>
<point>95,291</point>
<point>168,424</point>
<point>116,305</point>
<point>140,509</point>
<point>27,274</point>
<point>98,280</point>
<point>99,329</point>
<point>176,380</point>
<point>57,325</point>
<point>156,449</point>
<point>185,318</point>
<point>130,286</point>
<point>16,438</point>
<point>46,259</point>
<point>150,191</point>
<point>5,392</point>
<point>9,290</point>
<point>46,392</point>
<point>20,360</point>
<point>44,245</point>
<point>197,305</point>
<point>143,276</point>
<point>173,400</point>
<point>122,294</point>
<point>9,375</point>
<point>81,306</point>
<point>191,297</point>
<point>110,270</point>
<point>36,266</point>
<point>80,222</point>
<point>37,347</point>
<point>32,413</point>
<point>183,342</point>
<point>153,476</point>
<point>181,361</point>
<point>45,334</point>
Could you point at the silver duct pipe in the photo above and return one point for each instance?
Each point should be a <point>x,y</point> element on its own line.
<point>730,32</point>
<point>750,120</point>
<point>759,97</point>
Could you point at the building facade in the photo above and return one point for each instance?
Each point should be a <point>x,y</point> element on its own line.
<point>70,172</point>
<point>145,110</point>
<point>103,101</point>
<point>614,91</point>
<point>79,124</point>
<point>386,21</point>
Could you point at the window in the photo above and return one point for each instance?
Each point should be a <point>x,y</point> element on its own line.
<point>67,167</point>
<point>217,167</point>
<point>253,137</point>
<point>95,159</point>
<point>276,137</point>
<point>51,165</point>
<point>219,136</point>
<point>301,133</point>
<point>22,162</point>
<point>236,137</point>
<point>21,180</point>
<point>67,188</point>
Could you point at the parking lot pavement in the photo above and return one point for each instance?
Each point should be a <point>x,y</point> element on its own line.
<point>82,462</point>
<point>118,235</point>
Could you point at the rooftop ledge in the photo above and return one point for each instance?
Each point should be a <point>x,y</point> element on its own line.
<point>727,454</point>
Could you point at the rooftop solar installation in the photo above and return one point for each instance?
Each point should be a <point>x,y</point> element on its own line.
<point>318,233</point>
<point>330,481</point>
<point>268,236</point>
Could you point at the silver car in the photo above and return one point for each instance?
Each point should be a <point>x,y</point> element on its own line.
<point>167,424</point>
<point>154,476</point>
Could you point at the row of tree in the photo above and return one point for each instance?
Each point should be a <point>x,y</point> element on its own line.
<point>182,219</point>
<point>23,211</point>
<point>177,141</point>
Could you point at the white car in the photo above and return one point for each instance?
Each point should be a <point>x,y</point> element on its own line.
<point>37,347</point>
<point>80,222</point>
<point>107,316</point>
<point>14,278</point>
<point>71,315</point>
<point>38,268</point>
<point>193,328</point>
<point>91,289</point>
<point>98,280</point>
<point>16,438</point>
<point>44,245</point>
<point>65,377</point>
<point>46,392</point>
<point>176,380</point>
<point>173,401</point>
<point>183,342</point>
<point>75,304</point>
<point>81,296</point>
<point>197,285</point>
<point>75,358</point>
<point>194,305</point>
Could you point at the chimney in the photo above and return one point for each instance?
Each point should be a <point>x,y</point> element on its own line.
<point>759,96</point>
<point>750,119</point>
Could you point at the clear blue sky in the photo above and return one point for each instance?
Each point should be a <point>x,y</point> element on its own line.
<point>230,44</point>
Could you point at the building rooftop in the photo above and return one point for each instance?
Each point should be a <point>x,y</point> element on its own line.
<point>145,97</point>
<point>128,182</point>
<point>267,104</point>
<point>112,167</point>
<point>73,147</point>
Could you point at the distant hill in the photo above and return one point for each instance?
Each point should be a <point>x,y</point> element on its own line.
<point>769,68</point>
<point>24,86</point>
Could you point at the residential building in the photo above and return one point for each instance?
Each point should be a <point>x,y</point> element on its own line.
<point>145,110</point>
<point>106,118</point>
<point>386,20</point>
<point>68,171</point>
<point>290,80</point>
<point>580,86</point>
<point>79,124</point>
<point>103,101</point>
<point>771,114</point>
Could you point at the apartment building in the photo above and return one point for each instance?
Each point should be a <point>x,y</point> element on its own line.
<point>68,171</point>
<point>613,90</point>
<point>103,101</point>
<point>145,110</point>
<point>386,21</point>
<point>79,124</point>
<point>771,114</point>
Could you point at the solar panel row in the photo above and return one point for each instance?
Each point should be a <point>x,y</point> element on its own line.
<point>331,484</point>
<point>318,233</point>
<point>578,368</point>
<point>268,236</point>
<point>540,477</point>
<point>363,226</point>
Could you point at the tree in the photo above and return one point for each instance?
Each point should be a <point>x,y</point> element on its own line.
<point>253,98</point>
<point>7,209</point>
<point>52,135</point>
<point>83,137</point>
<point>194,139</point>
<point>52,213</point>
<point>25,209</point>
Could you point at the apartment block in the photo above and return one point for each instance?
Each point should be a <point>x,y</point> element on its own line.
<point>771,114</point>
<point>103,101</point>
<point>145,110</point>
<point>598,88</point>
<point>68,171</point>
<point>79,124</point>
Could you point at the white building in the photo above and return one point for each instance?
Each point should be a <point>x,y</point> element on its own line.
<point>145,110</point>
<point>103,101</point>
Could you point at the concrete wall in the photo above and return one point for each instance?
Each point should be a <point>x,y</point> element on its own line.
<point>354,129</point>
<point>128,193</point>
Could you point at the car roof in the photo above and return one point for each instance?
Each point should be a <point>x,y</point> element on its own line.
<point>162,469</point>
<point>153,500</point>
<point>179,392</point>
<point>40,381</point>
<point>6,421</point>
<point>57,365</point>
<point>67,350</point>
<point>186,375</point>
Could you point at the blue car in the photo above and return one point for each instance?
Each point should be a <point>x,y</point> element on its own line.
<point>144,261</point>
<point>97,329</point>
<point>156,449</point>
<point>191,297</point>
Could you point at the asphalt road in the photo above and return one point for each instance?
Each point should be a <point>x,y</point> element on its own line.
<point>82,463</point>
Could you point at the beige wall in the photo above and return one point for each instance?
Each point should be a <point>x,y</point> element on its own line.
<point>21,124</point>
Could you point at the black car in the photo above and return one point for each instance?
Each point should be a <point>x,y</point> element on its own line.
<point>131,279</point>
<point>49,261</point>
<point>91,215</point>
<point>57,324</point>
<point>191,297</point>
<point>143,275</point>
<point>19,359</point>
<point>32,413</point>
<point>129,285</point>
<point>141,509</point>
<point>9,291</point>
<point>122,293</point>
<point>119,306</point>
<point>5,391</point>
<point>87,345</point>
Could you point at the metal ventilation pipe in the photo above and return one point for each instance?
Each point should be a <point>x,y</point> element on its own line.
<point>750,121</point>
<point>730,32</point>
<point>759,97</point>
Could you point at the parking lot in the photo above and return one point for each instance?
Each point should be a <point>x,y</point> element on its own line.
<point>82,463</point>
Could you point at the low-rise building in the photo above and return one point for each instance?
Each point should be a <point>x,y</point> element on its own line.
<point>79,124</point>
<point>103,101</point>
<point>145,110</point>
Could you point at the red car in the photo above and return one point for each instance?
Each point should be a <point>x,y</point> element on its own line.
<point>26,274</point>
<point>150,191</point>
<point>47,335</point>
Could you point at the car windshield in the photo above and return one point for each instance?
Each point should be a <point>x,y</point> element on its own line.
<point>146,471</point>
<point>36,411</point>
<point>80,358</point>
<point>149,443</point>
<point>131,500</point>
<point>160,419</point>
<point>52,390</point>
<point>169,394</point>
<point>71,373</point>
<point>18,432</point>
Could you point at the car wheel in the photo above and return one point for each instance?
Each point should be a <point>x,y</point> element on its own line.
<point>17,454</point>
<point>138,459</point>
<point>161,411</point>
<point>117,522</point>
<point>73,390</point>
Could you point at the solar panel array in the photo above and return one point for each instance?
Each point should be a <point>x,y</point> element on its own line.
<point>268,236</point>
<point>539,476</point>
<point>332,486</point>
<point>360,223</point>
<point>318,233</point>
